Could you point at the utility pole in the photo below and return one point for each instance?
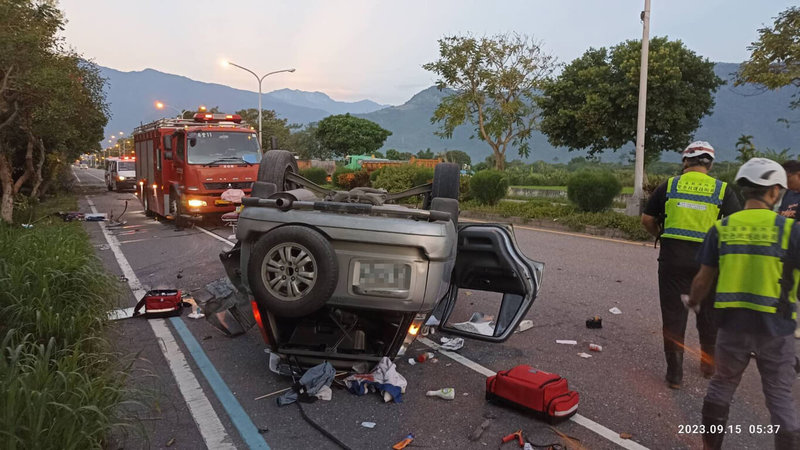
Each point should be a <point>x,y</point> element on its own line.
<point>635,203</point>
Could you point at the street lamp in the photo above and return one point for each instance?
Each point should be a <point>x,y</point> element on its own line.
<point>260,79</point>
<point>161,105</point>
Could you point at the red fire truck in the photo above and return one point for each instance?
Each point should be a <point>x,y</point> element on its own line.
<point>184,165</point>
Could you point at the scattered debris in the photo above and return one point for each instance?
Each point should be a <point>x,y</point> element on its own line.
<point>525,325</point>
<point>584,355</point>
<point>368,424</point>
<point>123,279</point>
<point>479,431</point>
<point>412,362</point>
<point>615,310</point>
<point>263,430</point>
<point>103,247</point>
<point>383,379</point>
<point>515,435</point>
<point>310,384</point>
<point>27,226</point>
<point>479,323</point>
<point>451,343</point>
<point>404,443</point>
<point>444,393</point>
<point>325,393</point>
<point>625,436</point>
<point>595,322</point>
<point>432,321</point>
<point>170,442</point>
<point>98,217</point>
<point>205,338</point>
<point>595,348</point>
<point>566,342</point>
<point>422,357</point>
<point>122,313</point>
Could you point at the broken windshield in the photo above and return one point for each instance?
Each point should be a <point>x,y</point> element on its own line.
<point>223,147</point>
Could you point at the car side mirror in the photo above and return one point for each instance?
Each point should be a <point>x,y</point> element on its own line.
<point>167,143</point>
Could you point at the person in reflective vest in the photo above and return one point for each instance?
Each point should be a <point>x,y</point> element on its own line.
<point>754,254</point>
<point>680,211</point>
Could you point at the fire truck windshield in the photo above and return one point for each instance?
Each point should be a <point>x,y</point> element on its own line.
<point>222,147</point>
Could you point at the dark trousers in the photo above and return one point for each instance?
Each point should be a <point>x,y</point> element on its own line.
<point>674,280</point>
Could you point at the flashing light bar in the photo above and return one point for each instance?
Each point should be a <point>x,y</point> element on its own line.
<point>210,117</point>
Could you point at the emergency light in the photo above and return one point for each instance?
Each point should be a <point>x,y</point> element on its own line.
<point>209,117</point>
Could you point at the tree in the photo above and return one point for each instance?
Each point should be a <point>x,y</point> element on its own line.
<point>344,134</point>
<point>496,81</point>
<point>425,154</point>
<point>593,103</point>
<point>775,57</point>
<point>458,157</point>
<point>746,149</point>
<point>271,125</point>
<point>393,154</point>
<point>305,144</point>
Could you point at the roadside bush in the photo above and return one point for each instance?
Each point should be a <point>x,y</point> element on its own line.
<point>593,190</point>
<point>317,175</point>
<point>463,189</point>
<point>338,173</point>
<point>488,186</point>
<point>402,177</point>
<point>653,181</point>
<point>353,180</point>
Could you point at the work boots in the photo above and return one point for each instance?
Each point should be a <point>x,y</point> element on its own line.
<point>715,417</point>
<point>787,440</point>
<point>674,369</point>
<point>707,361</point>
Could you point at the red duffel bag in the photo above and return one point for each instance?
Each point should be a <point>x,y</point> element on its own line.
<point>160,303</point>
<point>545,394</point>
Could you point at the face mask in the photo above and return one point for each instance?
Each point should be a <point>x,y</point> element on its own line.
<point>778,202</point>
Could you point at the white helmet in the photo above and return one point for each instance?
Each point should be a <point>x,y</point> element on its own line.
<point>762,172</point>
<point>698,148</point>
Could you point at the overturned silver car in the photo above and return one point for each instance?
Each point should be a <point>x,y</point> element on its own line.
<point>352,276</point>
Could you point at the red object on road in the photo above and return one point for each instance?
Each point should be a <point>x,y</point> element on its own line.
<point>545,394</point>
<point>160,303</point>
<point>518,435</point>
<point>404,443</point>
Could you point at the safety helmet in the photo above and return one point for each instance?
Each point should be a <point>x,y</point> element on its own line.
<point>762,172</point>
<point>698,148</point>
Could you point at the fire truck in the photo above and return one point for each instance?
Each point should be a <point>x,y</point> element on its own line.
<point>184,165</point>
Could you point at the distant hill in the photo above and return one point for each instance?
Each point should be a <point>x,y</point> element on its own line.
<point>740,110</point>
<point>132,96</point>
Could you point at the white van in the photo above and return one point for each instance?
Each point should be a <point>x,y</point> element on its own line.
<point>121,173</point>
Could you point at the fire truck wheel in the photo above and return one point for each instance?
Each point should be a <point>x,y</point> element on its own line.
<point>292,271</point>
<point>176,209</point>
<point>446,178</point>
<point>147,211</point>
<point>274,166</point>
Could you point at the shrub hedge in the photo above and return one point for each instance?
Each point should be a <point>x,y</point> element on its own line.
<point>593,190</point>
<point>488,186</point>
<point>317,175</point>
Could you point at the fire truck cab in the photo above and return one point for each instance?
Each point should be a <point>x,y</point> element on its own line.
<point>184,165</point>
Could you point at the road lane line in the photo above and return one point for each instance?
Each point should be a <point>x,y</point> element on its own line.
<point>565,233</point>
<point>95,176</point>
<point>577,418</point>
<point>208,423</point>
<point>216,236</point>
<point>76,176</point>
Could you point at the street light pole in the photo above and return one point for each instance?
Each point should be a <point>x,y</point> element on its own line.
<point>260,79</point>
<point>634,207</point>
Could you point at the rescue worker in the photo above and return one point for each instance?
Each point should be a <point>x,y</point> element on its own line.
<point>755,254</point>
<point>791,199</point>
<point>686,206</point>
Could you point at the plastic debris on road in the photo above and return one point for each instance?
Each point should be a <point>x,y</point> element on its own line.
<point>584,355</point>
<point>368,424</point>
<point>479,431</point>
<point>412,362</point>
<point>594,323</point>
<point>566,342</point>
<point>525,325</point>
<point>422,357</point>
<point>383,379</point>
<point>615,310</point>
<point>451,344</point>
<point>311,383</point>
<point>595,348</point>
<point>444,393</point>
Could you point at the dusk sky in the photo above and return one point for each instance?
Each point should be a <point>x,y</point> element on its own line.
<point>353,50</point>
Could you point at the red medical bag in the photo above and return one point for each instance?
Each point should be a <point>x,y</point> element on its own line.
<point>160,303</point>
<point>545,394</point>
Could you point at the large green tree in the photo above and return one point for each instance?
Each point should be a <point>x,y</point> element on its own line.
<point>496,81</point>
<point>344,134</point>
<point>593,103</point>
<point>304,142</point>
<point>271,125</point>
<point>775,57</point>
<point>52,106</point>
<point>457,156</point>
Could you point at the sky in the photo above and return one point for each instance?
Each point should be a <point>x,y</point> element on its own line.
<point>361,49</point>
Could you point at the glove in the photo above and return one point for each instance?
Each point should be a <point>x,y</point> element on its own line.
<point>685,300</point>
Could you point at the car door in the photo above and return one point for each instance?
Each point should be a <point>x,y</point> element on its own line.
<point>493,284</point>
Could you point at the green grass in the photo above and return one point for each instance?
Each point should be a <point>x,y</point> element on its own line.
<point>566,214</point>
<point>625,189</point>
<point>60,386</point>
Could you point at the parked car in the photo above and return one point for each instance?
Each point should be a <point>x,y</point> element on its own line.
<point>83,166</point>
<point>347,276</point>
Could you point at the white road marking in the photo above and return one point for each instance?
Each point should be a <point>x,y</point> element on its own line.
<point>216,236</point>
<point>95,176</point>
<point>208,423</point>
<point>577,418</point>
<point>75,175</point>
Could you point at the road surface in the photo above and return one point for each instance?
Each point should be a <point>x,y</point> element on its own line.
<point>621,388</point>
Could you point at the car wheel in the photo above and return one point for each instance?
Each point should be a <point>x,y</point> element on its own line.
<point>176,209</point>
<point>292,271</point>
<point>274,166</point>
<point>446,178</point>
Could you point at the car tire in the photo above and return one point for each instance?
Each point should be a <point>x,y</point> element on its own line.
<point>274,166</point>
<point>274,271</point>
<point>446,180</point>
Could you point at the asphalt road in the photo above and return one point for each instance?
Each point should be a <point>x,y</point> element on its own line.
<point>621,388</point>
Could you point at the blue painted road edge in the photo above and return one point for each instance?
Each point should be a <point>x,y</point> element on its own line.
<point>240,419</point>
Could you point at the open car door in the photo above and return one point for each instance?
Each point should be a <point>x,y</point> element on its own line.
<point>493,284</point>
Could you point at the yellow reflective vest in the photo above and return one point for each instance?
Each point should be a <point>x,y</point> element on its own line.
<point>693,204</point>
<point>752,247</point>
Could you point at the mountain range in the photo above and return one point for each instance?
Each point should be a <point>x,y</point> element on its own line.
<point>738,110</point>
